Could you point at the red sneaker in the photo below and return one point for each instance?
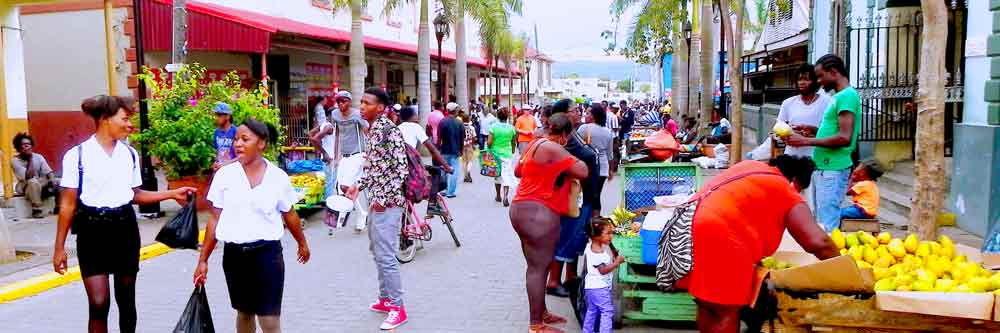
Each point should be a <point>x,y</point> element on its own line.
<point>382,305</point>
<point>396,317</point>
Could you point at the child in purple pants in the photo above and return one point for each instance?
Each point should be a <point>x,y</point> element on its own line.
<point>597,284</point>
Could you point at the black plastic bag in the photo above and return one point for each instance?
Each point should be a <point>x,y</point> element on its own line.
<point>181,232</point>
<point>196,317</point>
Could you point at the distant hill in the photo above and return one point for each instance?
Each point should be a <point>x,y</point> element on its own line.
<point>615,70</point>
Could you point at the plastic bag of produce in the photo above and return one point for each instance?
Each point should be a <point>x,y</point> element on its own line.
<point>662,140</point>
<point>721,156</point>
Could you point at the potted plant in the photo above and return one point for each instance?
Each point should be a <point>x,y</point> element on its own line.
<point>182,123</point>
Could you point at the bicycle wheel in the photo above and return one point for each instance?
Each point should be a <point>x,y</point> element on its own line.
<point>446,219</point>
<point>407,246</point>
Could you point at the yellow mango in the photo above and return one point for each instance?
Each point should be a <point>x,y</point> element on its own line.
<point>925,275</point>
<point>844,252</point>
<point>851,240</point>
<point>944,285</point>
<point>884,262</point>
<point>923,286</point>
<point>960,259</point>
<point>947,252</point>
<point>896,248</point>
<point>885,285</point>
<point>923,249</point>
<point>979,284</point>
<point>904,288</point>
<point>867,239</point>
<point>910,243</point>
<point>869,255</point>
<point>884,237</point>
<point>995,281</point>
<point>962,288</point>
<point>904,279</point>
<point>864,265</point>
<point>881,273</point>
<point>935,248</point>
<point>882,251</point>
<point>945,241</point>
<point>838,238</point>
<point>857,253</point>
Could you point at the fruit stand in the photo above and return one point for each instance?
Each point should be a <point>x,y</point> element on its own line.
<point>307,181</point>
<point>634,289</point>
<point>882,284</point>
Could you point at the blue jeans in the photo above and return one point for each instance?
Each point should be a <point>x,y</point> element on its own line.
<point>599,305</point>
<point>331,181</point>
<point>831,187</point>
<point>456,166</point>
<point>854,212</point>
<point>573,235</point>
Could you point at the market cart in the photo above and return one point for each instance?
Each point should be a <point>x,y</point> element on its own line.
<point>634,289</point>
<point>306,174</point>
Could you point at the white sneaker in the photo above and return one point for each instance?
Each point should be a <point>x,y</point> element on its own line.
<point>396,317</point>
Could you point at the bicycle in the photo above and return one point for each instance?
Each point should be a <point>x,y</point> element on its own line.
<point>416,229</point>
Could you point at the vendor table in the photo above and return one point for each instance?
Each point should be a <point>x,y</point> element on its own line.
<point>827,312</point>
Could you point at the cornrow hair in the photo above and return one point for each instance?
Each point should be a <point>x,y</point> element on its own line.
<point>832,62</point>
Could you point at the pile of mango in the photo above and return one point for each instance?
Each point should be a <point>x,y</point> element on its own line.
<point>308,181</point>
<point>772,263</point>
<point>913,265</point>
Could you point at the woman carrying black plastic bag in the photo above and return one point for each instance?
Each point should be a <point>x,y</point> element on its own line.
<point>252,203</point>
<point>100,183</point>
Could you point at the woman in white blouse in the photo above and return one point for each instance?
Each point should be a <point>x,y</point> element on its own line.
<point>252,204</point>
<point>100,183</point>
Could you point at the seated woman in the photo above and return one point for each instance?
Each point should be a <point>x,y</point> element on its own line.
<point>728,242</point>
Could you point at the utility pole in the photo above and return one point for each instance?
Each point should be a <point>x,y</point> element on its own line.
<point>149,182</point>
<point>178,53</point>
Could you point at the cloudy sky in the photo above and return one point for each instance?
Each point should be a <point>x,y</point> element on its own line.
<point>568,30</point>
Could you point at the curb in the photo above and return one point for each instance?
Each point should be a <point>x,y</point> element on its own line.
<point>38,284</point>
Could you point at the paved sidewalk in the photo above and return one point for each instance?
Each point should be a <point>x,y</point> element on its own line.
<point>476,288</point>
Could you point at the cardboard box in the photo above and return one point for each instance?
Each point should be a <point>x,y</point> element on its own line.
<point>959,305</point>
<point>837,275</point>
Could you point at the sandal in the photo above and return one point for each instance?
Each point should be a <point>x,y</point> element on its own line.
<point>542,328</point>
<point>552,319</point>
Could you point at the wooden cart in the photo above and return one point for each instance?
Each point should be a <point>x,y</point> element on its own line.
<point>826,312</point>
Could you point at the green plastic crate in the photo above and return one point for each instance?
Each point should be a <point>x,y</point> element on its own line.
<point>641,182</point>
<point>628,247</point>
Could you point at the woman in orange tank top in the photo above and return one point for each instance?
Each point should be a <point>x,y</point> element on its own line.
<point>540,200</point>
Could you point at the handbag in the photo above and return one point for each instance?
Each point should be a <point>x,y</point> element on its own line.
<point>676,244</point>
<point>489,164</point>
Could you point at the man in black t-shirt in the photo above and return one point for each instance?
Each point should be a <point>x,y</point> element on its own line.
<point>451,133</point>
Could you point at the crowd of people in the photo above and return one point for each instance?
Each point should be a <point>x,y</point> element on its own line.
<point>555,159</point>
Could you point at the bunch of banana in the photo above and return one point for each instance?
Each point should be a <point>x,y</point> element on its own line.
<point>621,216</point>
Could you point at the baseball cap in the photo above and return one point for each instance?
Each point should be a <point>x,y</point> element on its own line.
<point>451,106</point>
<point>222,108</point>
<point>344,94</point>
<point>397,107</point>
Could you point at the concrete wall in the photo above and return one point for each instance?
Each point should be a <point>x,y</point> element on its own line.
<point>61,75</point>
<point>977,65</point>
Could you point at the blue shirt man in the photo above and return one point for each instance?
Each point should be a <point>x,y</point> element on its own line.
<point>225,134</point>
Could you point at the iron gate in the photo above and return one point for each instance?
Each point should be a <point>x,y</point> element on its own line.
<point>883,57</point>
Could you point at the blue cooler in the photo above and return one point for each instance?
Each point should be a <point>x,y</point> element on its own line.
<point>650,245</point>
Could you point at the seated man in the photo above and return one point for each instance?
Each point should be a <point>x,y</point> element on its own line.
<point>35,180</point>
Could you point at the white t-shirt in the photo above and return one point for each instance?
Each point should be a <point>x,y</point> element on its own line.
<point>329,142</point>
<point>250,214</point>
<point>796,112</point>
<point>320,112</point>
<point>594,279</point>
<point>108,181</point>
<point>413,134</point>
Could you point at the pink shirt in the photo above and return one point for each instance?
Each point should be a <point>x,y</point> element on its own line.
<point>434,119</point>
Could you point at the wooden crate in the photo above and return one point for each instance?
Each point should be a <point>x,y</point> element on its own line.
<point>869,225</point>
<point>826,312</point>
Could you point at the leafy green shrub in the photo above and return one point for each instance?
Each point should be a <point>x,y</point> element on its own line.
<point>182,120</point>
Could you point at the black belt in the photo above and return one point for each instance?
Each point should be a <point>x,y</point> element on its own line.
<point>251,246</point>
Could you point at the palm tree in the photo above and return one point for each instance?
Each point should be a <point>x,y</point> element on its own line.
<point>489,14</point>
<point>707,48</point>
<point>423,54</point>
<point>735,72</point>
<point>513,60</point>
<point>929,188</point>
<point>357,61</point>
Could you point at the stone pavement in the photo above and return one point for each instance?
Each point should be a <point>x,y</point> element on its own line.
<point>476,288</point>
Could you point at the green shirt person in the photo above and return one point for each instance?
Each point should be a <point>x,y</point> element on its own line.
<point>835,140</point>
<point>501,142</point>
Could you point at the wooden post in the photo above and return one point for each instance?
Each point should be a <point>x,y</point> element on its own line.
<point>109,46</point>
<point>7,253</point>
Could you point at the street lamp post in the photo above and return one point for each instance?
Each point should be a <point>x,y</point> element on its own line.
<point>441,31</point>
<point>687,71</point>
<point>527,66</point>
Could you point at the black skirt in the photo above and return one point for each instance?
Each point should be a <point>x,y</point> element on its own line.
<point>255,275</point>
<point>107,240</point>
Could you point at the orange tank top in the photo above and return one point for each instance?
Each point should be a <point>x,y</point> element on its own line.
<point>538,182</point>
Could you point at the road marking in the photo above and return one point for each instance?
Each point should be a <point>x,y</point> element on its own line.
<point>38,284</point>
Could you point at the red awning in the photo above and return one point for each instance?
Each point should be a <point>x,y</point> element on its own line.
<point>208,30</point>
<point>214,27</point>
